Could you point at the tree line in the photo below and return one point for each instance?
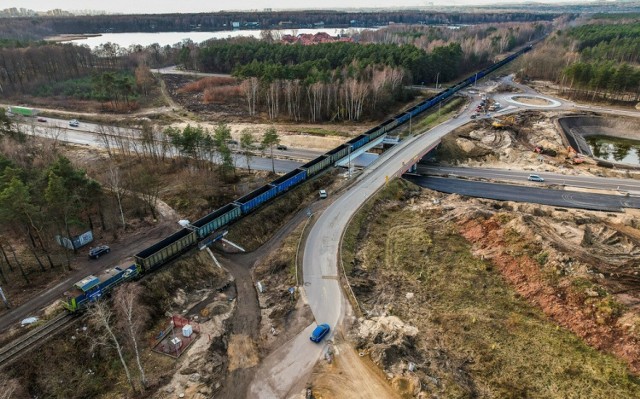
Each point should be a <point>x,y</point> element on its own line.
<point>266,60</point>
<point>39,27</point>
<point>480,44</point>
<point>592,61</point>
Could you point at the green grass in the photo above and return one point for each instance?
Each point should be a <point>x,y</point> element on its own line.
<point>478,337</point>
<point>396,189</point>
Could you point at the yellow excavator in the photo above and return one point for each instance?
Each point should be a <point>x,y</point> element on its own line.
<point>503,122</point>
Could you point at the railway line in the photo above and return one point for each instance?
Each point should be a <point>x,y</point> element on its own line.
<point>13,350</point>
<point>155,256</point>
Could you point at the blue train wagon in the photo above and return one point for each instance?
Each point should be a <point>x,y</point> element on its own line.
<point>338,153</point>
<point>402,118</point>
<point>167,249</point>
<point>216,219</point>
<point>256,198</point>
<point>358,141</point>
<point>315,166</point>
<point>283,183</point>
<point>91,288</point>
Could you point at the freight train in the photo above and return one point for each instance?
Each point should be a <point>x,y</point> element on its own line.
<point>153,257</point>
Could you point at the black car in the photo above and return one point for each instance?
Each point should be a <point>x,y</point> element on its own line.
<point>95,253</point>
<point>282,147</point>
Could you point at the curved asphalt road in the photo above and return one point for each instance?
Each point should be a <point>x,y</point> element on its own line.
<point>284,371</point>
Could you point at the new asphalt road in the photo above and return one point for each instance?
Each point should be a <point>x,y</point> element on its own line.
<point>599,183</point>
<point>544,196</point>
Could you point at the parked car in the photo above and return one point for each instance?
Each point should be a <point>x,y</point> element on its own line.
<point>74,123</point>
<point>323,194</point>
<point>282,147</point>
<point>535,178</point>
<point>232,142</point>
<point>474,116</point>
<point>96,252</point>
<point>41,119</point>
<point>319,332</point>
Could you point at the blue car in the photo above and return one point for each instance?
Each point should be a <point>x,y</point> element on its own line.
<point>319,333</point>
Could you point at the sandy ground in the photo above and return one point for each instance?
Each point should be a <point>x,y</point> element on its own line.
<point>532,100</point>
<point>349,375</point>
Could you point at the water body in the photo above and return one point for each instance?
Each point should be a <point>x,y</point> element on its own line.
<point>615,149</point>
<point>170,38</point>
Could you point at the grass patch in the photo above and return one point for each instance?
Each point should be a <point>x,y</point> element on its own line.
<point>478,337</point>
<point>397,189</point>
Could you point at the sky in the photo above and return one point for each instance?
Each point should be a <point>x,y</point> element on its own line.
<point>186,6</point>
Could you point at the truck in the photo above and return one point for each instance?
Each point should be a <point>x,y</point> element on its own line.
<point>24,111</point>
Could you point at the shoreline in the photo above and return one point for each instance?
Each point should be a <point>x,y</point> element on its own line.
<point>70,37</point>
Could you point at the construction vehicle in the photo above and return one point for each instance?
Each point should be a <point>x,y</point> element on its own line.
<point>501,123</point>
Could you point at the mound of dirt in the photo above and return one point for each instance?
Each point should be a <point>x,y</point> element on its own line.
<point>387,339</point>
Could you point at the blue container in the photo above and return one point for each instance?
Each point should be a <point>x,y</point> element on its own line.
<point>289,180</point>
<point>358,142</point>
<point>256,198</point>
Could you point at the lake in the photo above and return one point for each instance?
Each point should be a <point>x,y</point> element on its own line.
<point>615,149</point>
<point>170,38</point>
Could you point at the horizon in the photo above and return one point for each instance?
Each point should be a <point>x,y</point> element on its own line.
<point>192,6</point>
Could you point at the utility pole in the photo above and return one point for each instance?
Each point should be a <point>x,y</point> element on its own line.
<point>410,115</point>
<point>349,165</point>
<point>4,299</point>
<point>475,80</point>
<point>437,79</point>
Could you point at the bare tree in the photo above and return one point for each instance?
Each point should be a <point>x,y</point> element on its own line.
<point>250,88</point>
<point>102,316</point>
<point>132,317</point>
<point>115,184</point>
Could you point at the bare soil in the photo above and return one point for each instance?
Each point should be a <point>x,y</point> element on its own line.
<point>459,294</point>
<point>495,287</point>
<point>350,376</point>
<point>532,100</point>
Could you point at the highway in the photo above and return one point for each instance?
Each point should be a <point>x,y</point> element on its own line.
<point>281,374</point>
<point>283,371</point>
<point>535,195</point>
<point>95,135</point>
<point>599,183</point>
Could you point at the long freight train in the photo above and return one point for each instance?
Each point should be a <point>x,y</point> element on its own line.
<point>178,243</point>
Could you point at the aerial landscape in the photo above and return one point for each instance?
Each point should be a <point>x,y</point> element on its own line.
<point>342,200</point>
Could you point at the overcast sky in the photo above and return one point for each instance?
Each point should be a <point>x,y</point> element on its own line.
<point>166,6</point>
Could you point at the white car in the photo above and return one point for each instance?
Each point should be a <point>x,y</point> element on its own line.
<point>74,123</point>
<point>323,194</point>
<point>535,178</point>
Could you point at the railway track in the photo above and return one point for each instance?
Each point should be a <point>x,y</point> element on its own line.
<point>32,339</point>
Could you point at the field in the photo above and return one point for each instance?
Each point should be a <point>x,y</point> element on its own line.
<point>466,316</point>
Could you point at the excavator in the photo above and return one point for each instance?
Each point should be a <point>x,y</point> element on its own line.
<point>503,122</point>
